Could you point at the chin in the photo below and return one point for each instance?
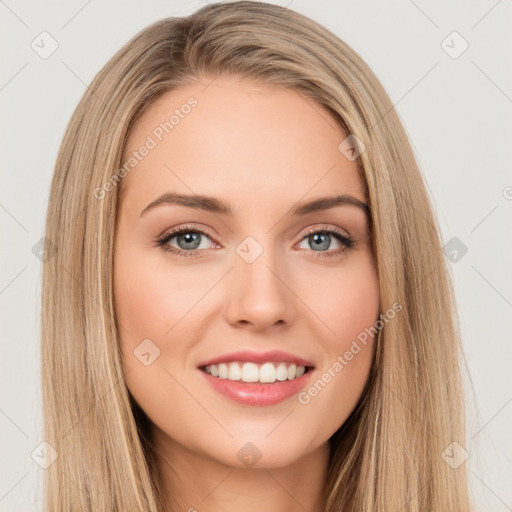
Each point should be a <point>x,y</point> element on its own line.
<point>261,452</point>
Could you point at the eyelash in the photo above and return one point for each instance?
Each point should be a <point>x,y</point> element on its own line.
<point>347,241</point>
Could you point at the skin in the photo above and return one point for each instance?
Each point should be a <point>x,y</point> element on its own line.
<point>262,149</point>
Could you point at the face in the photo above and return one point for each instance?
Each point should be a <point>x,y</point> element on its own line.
<point>263,284</point>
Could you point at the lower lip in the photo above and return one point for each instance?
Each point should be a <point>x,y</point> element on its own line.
<point>257,394</point>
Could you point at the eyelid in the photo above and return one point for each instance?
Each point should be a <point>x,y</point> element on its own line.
<point>188,227</point>
<point>325,227</point>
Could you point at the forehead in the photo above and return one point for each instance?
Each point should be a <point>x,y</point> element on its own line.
<point>235,138</point>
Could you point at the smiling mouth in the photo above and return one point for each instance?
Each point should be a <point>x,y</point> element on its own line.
<point>266,373</point>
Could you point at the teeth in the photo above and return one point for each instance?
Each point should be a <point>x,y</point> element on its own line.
<point>234,371</point>
<point>251,372</point>
<point>223,371</point>
<point>281,372</point>
<point>267,373</point>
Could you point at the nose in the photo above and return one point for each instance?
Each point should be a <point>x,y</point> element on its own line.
<point>258,294</point>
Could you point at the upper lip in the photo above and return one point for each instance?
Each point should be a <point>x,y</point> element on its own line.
<point>274,356</point>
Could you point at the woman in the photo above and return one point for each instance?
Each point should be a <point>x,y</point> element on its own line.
<point>249,306</point>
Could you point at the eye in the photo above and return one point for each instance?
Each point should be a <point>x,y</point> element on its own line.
<point>187,236</point>
<point>188,239</point>
<point>322,239</point>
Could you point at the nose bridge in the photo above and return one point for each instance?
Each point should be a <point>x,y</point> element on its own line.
<point>259,294</point>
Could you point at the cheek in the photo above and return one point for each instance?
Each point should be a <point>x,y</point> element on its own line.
<point>350,311</point>
<point>150,300</point>
<point>146,309</point>
<point>347,302</point>
<point>358,311</point>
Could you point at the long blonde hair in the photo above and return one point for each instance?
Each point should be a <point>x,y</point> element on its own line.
<point>388,454</point>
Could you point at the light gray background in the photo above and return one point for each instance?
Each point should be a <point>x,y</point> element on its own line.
<point>458,116</point>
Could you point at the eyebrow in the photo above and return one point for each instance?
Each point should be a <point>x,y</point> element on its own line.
<point>214,205</point>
